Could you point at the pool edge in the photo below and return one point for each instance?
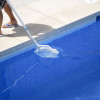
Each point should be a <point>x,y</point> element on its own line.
<point>50,36</point>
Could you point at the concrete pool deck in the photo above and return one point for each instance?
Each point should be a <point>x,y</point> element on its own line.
<point>41,17</point>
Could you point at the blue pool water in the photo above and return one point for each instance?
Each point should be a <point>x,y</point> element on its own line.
<point>74,75</point>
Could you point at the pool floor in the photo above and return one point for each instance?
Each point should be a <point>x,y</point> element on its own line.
<point>74,75</point>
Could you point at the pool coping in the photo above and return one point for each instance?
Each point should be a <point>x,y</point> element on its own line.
<point>49,36</point>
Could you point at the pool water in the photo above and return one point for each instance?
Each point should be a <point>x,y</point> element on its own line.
<point>74,75</point>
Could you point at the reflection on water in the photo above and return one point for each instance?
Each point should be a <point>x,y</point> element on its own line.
<point>18,79</point>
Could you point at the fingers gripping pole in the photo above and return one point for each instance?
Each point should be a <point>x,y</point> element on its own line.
<point>23,24</point>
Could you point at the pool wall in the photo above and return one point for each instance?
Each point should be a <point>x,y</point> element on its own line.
<point>50,36</point>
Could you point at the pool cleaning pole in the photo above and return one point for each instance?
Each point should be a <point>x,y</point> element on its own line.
<point>23,24</point>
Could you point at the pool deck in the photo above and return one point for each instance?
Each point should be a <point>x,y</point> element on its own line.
<point>42,17</point>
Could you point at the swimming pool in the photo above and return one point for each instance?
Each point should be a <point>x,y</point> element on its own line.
<point>74,75</point>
